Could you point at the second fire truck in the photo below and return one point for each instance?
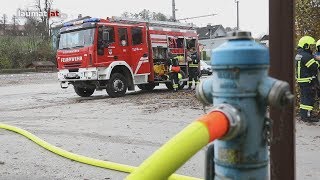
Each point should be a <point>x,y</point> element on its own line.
<point>116,54</point>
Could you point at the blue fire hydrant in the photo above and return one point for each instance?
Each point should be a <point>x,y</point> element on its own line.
<point>241,88</point>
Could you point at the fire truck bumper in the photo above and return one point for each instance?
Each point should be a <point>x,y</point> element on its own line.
<point>83,74</point>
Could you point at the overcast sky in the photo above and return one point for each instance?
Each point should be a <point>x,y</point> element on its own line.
<point>253,13</point>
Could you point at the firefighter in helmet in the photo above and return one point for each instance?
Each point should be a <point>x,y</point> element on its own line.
<point>306,76</point>
<point>174,70</point>
<point>193,67</point>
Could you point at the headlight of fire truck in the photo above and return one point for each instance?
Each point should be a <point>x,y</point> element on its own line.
<point>90,74</point>
<point>62,75</point>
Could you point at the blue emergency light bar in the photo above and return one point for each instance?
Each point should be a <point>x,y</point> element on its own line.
<point>91,20</point>
<point>81,22</point>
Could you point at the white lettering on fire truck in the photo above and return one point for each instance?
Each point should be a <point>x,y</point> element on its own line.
<point>136,49</point>
<point>71,59</point>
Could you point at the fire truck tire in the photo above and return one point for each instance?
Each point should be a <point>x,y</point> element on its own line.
<point>146,87</point>
<point>169,85</point>
<point>117,85</point>
<point>83,92</point>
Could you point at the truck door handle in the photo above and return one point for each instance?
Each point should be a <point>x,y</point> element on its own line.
<point>115,57</point>
<point>145,55</point>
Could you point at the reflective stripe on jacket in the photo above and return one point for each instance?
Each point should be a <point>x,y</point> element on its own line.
<point>306,66</point>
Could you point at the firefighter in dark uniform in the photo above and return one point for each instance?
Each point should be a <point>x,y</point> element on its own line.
<point>174,70</point>
<point>193,68</point>
<point>306,76</point>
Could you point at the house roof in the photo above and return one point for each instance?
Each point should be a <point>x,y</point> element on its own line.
<point>204,32</point>
<point>41,63</point>
<point>264,38</point>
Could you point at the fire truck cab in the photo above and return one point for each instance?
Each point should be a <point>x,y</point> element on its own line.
<point>116,54</point>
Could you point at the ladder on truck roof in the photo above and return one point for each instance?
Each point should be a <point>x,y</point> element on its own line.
<point>153,23</point>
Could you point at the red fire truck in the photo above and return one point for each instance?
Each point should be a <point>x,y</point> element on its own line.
<point>116,54</point>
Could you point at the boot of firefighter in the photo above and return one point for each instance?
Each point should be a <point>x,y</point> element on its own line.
<point>175,87</point>
<point>196,84</point>
<point>190,84</point>
<point>310,117</point>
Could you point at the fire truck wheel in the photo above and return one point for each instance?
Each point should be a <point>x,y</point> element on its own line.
<point>146,87</point>
<point>169,85</point>
<point>83,92</point>
<point>117,85</point>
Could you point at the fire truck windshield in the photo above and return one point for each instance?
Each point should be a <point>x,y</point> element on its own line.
<point>76,39</point>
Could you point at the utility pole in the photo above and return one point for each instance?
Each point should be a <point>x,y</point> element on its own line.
<point>173,11</point>
<point>282,34</point>
<point>237,1</point>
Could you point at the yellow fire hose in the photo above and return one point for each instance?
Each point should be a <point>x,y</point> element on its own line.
<point>84,159</point>
<point>183,146</point>
<point>165,161</point>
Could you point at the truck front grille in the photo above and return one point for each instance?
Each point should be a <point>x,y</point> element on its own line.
<point>73,65</point>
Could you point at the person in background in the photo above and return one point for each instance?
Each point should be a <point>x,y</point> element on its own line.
<point>174,70</point>
<point>193,67</point>
<point>306,76</point>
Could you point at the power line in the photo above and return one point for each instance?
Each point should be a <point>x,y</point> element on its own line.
<point>196,17</point>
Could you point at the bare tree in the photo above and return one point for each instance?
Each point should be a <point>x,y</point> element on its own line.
<point>32,32</point>
<point>125,14</point>
<point>146,15</point>
<point>159,17</point>
<point>44,6</point>
<point>4,20</point>
<point>15,23</point>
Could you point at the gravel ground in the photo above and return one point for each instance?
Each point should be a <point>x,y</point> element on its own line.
<point>124,130</point>
<point>28,78</point>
